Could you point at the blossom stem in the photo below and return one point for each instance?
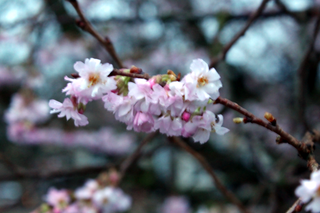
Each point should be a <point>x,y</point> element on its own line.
<point>228,194</point>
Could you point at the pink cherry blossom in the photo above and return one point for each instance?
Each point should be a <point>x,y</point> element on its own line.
<point>86,192</point>
<point>68,109</point>
<point>57,198</point>
<point>143,122</point>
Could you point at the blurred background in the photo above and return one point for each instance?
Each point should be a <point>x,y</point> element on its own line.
<point>40,42</point>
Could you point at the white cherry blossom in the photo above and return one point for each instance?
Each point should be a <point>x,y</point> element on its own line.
<point>95,75</point>
<point>202,83</point>
<point>310,190</point>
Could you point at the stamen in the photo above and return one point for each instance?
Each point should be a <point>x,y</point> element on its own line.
<point>202,81</point>
<point>94,78</point>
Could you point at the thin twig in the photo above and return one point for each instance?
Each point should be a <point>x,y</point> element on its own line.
<point>134,156</point>
<point>228,194</point>
<point>296,207</point>
<point>302,76</point>
<point>304,148</point>
<point>86,25</point>
<point>132,75</point>
<point>283,7</point>
<point>227,47</point>
<point>122,73</point>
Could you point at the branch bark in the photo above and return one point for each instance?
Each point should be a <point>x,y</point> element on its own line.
<point>134,156</point>
<point>228,194</point>
<point>305,148</point>
<point>86,25</point>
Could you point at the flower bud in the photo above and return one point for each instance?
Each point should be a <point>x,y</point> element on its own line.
<point>270,118</point>
<point>81,108</point>
<point>136,70</point>
<point>186,116</point>
<point>238,120</point>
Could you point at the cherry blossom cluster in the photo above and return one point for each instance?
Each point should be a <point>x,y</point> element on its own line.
<point>163,102</point>
<point>310,190</point>
<point>96,196</point>
<point>25,112</point>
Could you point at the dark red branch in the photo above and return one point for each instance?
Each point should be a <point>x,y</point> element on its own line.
<point>132,75</point>
<point>227,47</point>
<point>84,24</point>
<point>305,148</point>
<point>134,156</point>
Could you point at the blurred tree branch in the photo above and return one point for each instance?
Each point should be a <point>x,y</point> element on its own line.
<point>86,25</point>
<point>228,46</point>
<point>135,155</point>
<point>228,194</point>
<point>305,147</point>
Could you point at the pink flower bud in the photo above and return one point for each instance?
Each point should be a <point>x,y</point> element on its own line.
<point>186,116</point>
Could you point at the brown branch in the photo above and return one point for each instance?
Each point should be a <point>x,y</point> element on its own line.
<point>122,73</point>
<point>305,148</point>
<point>86,25</point>
<point>302,76</point>
<point>228,194</point>
<point>227,47</point>
<point>134,156</point>
<point>283,7</point>
<point>132,75</point>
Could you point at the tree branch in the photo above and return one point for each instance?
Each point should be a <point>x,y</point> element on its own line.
<point>228,194</point>
<point>86,25</point>
<point>134,156</point>
<point>227,47</point>
<point>305,148</point>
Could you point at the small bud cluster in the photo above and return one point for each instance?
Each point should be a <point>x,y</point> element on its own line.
<point>175,108</point>
<point>95,196</point>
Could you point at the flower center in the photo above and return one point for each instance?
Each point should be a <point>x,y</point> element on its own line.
<point>202,81</point>
<point>94,78</point>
